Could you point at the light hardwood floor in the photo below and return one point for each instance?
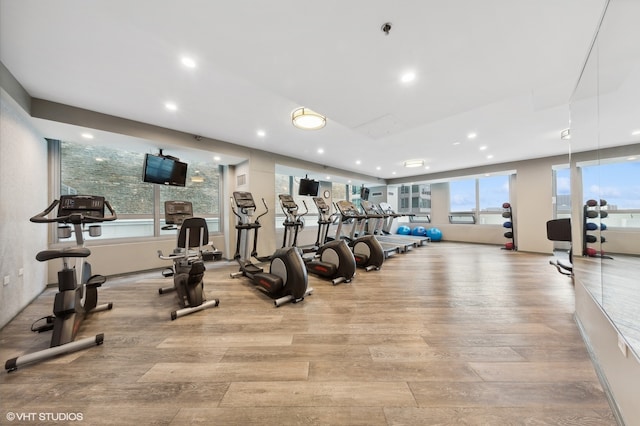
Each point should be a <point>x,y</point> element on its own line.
<point>445,334</point>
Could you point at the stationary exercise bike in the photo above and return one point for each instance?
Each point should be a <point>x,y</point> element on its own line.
<point>287,278</point>
<point>188,259</point>
<point>77,288</point>
<point>332,259</point>
<point>560,230</point>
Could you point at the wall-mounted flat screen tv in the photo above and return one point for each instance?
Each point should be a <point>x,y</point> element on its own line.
<point>364,193</point>
<point>164,170</point>
<point>308,187</point>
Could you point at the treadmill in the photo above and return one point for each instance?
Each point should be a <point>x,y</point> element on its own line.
<point>375,221</point>
<point>349,214</point>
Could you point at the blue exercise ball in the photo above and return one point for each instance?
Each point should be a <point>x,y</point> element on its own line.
<point>434,234</point>
<point>403,230</point>
<point>419,231</point>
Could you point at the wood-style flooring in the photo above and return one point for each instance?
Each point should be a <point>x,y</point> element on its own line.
<point>446,334</point>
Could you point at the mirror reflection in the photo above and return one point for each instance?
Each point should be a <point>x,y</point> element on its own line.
<point>605,136</point>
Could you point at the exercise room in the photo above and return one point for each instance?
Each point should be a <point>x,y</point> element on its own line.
<point>356,213</point>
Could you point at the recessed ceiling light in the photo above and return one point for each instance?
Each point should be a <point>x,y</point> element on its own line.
<point>188,62</point>
<point>408,77</point>
<point>87,135</point>
<point>320,151</point>
<point>456,143</point>
<point>489,157</point>
<point>482,148</point>
<point>427,167</point>
<point>358,162</point>
<point>328,177</point>
<point>635,133</point>
<point>170,106</point>
<point>261,133</point>
<point>393,173</point>
<point>99,159</point>
<point>472,135</point>
<point>378,168</point>
<point>631,158</point>
<point>217,158</point>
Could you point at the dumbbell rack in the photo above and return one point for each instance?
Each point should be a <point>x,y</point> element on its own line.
<point>510,234</point>
<point>592,210</point>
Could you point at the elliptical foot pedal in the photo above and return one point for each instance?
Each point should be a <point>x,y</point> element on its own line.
<point>96,280</point>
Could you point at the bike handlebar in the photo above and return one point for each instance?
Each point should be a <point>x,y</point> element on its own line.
<point>75,217</point>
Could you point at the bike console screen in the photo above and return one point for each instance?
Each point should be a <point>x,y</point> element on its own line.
<point>86,205</point>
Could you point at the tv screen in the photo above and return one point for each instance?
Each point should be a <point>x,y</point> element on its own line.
<point>364,193</point>
<point>308,187</point>
<point>164,170</point>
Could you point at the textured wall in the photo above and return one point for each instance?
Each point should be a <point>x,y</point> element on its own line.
<point>23,169</point>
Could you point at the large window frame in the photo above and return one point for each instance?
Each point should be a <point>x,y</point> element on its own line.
<point>613,180</point>
<point>414,200</point>
<point>145,219</point>
<point>469,203</point>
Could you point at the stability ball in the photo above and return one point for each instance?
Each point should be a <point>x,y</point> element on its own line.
<point>434,234</point>
<point>403,230</point>
<point>419,231</point>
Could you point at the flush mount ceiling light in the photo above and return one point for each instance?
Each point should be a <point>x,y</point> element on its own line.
<point>414,163</point>
<point>565,134</point>
<point>306,119</point>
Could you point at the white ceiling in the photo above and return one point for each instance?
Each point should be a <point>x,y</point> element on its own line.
<point>503,69</point>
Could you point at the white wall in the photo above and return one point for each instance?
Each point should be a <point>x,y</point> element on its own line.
<point>23,169</point>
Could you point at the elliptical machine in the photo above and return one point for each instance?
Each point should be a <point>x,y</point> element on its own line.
<point>332,260</point>
<point>367,250</point>
<point>188,259</point>
<point>77,288</point>
<point>287,278</point>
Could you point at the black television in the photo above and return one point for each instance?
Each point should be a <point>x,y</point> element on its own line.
<point>364,193</point>
<point>164,170</point>
<point>308,187</point>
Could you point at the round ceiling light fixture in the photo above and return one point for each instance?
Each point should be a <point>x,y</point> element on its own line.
<point>306,119</point>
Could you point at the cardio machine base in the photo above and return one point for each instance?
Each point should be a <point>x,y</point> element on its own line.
<point>77,345</point>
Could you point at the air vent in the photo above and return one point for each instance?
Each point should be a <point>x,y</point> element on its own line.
<point>241,180</point>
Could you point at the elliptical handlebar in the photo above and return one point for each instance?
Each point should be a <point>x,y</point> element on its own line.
<point>266,210</point>
<point>306,209</point>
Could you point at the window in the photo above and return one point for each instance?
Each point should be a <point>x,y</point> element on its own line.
<point>493,191</point>
<point>616,182</point>
<point>338,191</point>
<point>286,184</point>
<point>116,174</point>
<point>415,199</point>
<point>562,192</point>
<point>462,196</point>
<point>478,200</point>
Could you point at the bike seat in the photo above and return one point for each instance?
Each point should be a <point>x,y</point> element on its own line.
<point>45,255</point>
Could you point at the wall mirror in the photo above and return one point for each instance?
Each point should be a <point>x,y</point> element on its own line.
<point>605,145</point>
